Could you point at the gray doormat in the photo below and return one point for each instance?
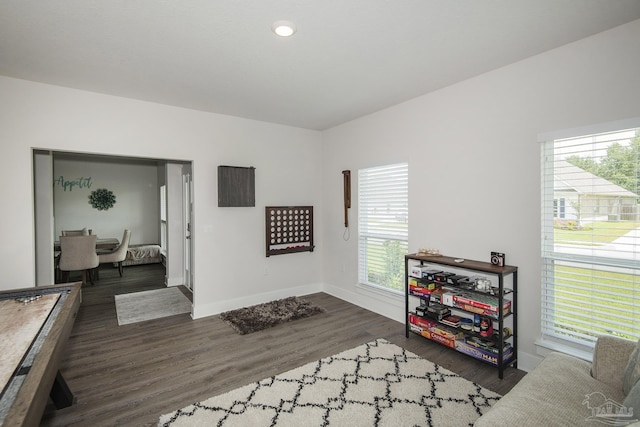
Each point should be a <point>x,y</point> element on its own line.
<point>148,305</point>
<point>262,316</point>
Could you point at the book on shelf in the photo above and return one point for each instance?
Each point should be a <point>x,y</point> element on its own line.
<point>452,321</point>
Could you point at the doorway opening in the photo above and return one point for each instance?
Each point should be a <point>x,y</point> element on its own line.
<point>63,182</point>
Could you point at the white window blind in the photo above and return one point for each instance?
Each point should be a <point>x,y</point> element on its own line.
<point>383,228</point>
<point>591,237</point>
<point>163,217</point>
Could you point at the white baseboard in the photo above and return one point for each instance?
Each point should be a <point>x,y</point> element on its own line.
<point>173,281</point>
<point>382,303</point>
<point>527,362</point>
<point>232,304</point>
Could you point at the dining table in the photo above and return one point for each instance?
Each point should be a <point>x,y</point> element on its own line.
<point>101,243</point>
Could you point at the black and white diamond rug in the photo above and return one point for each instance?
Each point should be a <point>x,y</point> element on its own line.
<point>375,384</point>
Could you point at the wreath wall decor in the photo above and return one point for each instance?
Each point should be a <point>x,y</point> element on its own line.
<point>102,199</point>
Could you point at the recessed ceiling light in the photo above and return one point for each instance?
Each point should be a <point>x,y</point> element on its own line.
<point>283,28</point>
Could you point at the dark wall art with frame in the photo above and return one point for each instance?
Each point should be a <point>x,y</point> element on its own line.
<point>236,186</point>
<point>288,229</point>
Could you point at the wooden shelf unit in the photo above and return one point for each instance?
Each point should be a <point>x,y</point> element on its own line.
<point>481,268</point>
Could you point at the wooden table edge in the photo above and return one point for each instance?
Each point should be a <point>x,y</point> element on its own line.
<point>33,395</point>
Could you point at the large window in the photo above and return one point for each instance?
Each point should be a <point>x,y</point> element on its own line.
<point>383,227</point>
<point>591,237</point>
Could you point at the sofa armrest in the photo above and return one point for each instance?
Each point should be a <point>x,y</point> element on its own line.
<point>610,357</point>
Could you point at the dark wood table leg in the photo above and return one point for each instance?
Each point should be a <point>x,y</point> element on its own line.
<point>61,394</point>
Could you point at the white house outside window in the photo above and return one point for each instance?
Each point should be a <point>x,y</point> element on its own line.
<point>591,237</point>
<point>383,228</point>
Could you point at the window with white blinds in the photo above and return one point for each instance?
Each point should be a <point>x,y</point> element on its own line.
<point>383,227</point>
<point>163,217</point>
<point>591,237</point>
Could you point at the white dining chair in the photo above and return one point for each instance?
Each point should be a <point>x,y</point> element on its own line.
<point>118,254</point>
<point>78,253</point>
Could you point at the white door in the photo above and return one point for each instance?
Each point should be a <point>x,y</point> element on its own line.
<point>187,202</point>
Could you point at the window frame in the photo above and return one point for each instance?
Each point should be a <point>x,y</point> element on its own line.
<point>551,258</point>
<point>373,182</point>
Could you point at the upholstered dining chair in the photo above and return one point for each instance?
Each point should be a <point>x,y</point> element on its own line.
<point>118,254</point>
<point>84,232</point>
<point>78,253</point>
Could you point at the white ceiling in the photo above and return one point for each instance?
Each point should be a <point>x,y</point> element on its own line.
<point>347,59</point>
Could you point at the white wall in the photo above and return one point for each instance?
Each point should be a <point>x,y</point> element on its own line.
<point>474,163</point>
<point>43,217</point>
<point>137,198</point>
<point>229,261</point>
<point>472,152</point>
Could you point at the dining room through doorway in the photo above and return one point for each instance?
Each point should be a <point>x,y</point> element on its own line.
<point>135,184</point>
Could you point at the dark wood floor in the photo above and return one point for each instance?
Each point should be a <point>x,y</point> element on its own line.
<point>130,375</point>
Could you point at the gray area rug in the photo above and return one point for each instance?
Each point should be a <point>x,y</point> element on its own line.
<point>375,384</point>
<point>148,305</point>
<point>262,316</point>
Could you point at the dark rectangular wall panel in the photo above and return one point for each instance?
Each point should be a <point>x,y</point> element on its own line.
<point>236,186</point>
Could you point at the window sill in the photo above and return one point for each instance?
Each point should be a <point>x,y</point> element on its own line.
<point>381,292</point>
<point>545,346</point>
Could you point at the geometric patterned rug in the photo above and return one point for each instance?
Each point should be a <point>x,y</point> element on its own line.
<point>375,384</point>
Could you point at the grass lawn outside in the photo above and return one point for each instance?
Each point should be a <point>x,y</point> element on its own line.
<point>594,233</point>
<point>583,294</point>
<point>385,262</point>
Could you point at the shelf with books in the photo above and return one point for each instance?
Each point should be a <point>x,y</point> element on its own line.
<point>455,304</point>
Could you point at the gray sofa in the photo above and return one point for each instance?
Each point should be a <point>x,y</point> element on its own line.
<point>566,391</point>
